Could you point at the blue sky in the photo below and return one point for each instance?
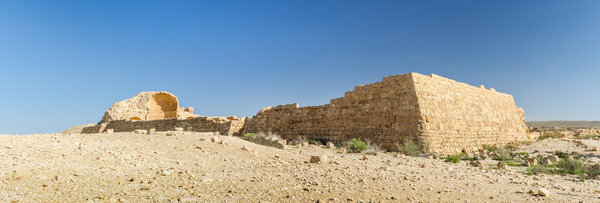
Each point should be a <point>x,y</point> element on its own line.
<point>64,63</point>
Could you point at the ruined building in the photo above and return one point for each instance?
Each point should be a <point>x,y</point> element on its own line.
<point>160,111</point>
<point>446,116</point>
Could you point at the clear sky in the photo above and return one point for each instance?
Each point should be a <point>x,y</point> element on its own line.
<point>63,63</point>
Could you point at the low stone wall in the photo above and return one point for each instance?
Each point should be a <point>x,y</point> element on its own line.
<point>384,113</point>
<point>223,125</point>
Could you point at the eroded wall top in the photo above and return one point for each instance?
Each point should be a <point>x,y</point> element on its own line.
<point>146,106</point>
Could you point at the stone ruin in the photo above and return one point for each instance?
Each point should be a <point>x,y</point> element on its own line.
<point>147,106</point>
<point>447,116</point>
<point>160,111</point>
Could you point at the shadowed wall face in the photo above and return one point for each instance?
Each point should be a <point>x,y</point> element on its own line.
<point>162,106</point>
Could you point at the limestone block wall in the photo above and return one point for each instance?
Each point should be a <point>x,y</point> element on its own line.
<point>458,116</point>
<point>448,116</point>
<point>384,113</point>
<point>226,126</point>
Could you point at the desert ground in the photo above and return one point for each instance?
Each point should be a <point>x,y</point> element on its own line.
<point>200,167</point>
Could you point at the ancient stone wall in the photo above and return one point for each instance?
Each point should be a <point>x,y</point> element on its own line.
<point>223,125</point>
<point>458,116</point>
<point>384,113</point>
<point>448,116</point>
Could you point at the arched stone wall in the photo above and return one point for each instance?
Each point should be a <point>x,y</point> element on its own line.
<point>161,106</point>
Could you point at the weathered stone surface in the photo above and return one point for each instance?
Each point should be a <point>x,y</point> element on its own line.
<point>147,106</point>
<point>448,116</point>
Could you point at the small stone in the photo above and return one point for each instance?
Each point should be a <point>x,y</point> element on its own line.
<point>152,130</point>
<point>216,139</point>
<point>501,165</point>
<point>140,131</point>
<point>246,148</point>
<point>330,145</point>
<point>532,161</point>
<point>305,144</point>
<point>206,180</point>
<point>178,129</point>
<point>110,131</point>
<point>171,134</point>
<point>594,149</point>
<point>364,158</point>
<point>167,173</point>
<point>277,156</point>
<point>342,151</point>
<point>543,192</point>
<point>318,159</point>
<point>476,163</point>
<point>531,191</point>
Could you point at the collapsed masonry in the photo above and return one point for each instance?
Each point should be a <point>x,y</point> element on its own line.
<point>445,115</point>
<point>160,111</point>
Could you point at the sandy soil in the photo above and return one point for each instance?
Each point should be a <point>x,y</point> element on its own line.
<point>189,167</point>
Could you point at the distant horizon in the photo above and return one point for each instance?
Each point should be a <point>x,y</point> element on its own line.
<point>64,63</point>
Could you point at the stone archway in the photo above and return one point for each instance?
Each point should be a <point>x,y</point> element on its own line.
<point>161,106</point>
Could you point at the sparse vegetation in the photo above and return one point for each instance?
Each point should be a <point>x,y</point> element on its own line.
<point>587,137</point>
<point>489,148</point>
<point>249,136</point>
<point>548,135</point>
<point>591,171</point>
<point>263,139</point>
<point>411,148</point>
<point>355,145</point>
<point>565,166</point>
<point>185,125</point>
<point>317,142</point>
<point>560,154</point>
<point>453,158</point>
<point>569,166</point>
<point>502,155</point>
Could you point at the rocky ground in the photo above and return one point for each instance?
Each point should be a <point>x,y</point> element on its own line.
<point>192,167</point>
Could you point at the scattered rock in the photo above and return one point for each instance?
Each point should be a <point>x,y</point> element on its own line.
<point>246,148</point>
<point>543,192</point>
<point>364,158</point>
<point>330,145</point>
<point>531,161</point>
<point>110,131</point>
<point>216,139</point>
<point>171,134</point>
<point>152,130</point>
<point>140,131</point>
<point>476,163</point>
<point>318,159</point>
<point>178,129</point>
<point>501,165</point>
<point>342,151</point>
<point>166,173</point>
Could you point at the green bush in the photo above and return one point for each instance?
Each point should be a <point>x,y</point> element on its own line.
<point>570,166</point>
<point>355,145</point>
<point>560,154</point>
<point>591,171</point>
<point>535,169</point>
<point>317,142</point>
<point>411,148</point>
<point>453,158</point>
<point>249,136</point>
